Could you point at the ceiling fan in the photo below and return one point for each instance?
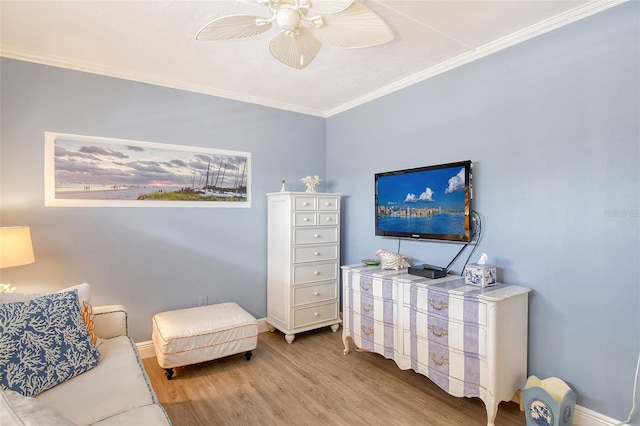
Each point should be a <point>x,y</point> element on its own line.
<point>305,26</point>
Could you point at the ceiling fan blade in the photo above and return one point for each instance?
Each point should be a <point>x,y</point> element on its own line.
<point>327,7</point>
<point>232,27</point>
<point>357,26</point>
<point>297,51</point>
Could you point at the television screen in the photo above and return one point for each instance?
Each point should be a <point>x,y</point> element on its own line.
<point>431,202</point>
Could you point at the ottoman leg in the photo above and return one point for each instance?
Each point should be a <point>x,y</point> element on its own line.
<point>248,355</point>
<point>169,373</point>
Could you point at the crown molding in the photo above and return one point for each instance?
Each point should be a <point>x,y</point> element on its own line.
<point>588,9</point>
<point>154,80</point>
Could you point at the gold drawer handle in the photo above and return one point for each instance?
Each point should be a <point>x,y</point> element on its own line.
<point>443,360</point>
<point>367,330</point>
<point>365,287</point>
<point>366,307</point>
<point>442,305</point>
<point>443,332</point>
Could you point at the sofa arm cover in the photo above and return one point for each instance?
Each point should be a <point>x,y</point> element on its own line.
<point>110,321</point>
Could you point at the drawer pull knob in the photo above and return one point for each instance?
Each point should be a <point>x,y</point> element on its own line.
<point>327,204</point>
<point>328,219</point>
<point>315,314</point>
<point>367,307</point>
<point>316,235</point>
<point>316,253</point>
<point>315,293</point>
<point>305,204</point>
<point>366,330</point>
<point>306,219</point>
<point>442,333</point>
<point>440,306</point>
<point>316,272</point>
<point>443,360</point>
<point>365,286</point>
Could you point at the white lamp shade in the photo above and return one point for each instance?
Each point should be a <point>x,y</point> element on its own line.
<point>15,246</point>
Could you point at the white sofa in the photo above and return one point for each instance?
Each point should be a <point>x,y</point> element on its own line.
<point>115,392</point>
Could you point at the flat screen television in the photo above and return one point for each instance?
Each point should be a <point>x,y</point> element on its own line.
<point>432,202</point>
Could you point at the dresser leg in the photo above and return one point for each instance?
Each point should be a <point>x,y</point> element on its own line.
<point>492,410</point>
<point>289,338</point>
<point>345,342</point>
<point>335,327</point>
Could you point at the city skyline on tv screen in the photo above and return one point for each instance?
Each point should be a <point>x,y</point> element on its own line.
<point>431,201</point>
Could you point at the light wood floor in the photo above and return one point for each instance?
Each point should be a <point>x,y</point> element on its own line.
<point>310,382</point>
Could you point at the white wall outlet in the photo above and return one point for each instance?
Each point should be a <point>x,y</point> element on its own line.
<point>202,300</point>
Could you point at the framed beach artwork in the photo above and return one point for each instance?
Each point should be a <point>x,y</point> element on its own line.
<point>103,172</point>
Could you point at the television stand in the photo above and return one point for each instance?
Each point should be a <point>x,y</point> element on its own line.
<point>470,341</point>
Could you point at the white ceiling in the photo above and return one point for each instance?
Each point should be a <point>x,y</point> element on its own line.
<point>154,42</point>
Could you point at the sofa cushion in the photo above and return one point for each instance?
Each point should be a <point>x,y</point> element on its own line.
<point>43,342</point>
<point>20,410</point>
<point>84,301</point>
<point>118,384</point>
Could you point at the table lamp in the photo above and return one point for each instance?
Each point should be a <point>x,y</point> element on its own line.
<point>15,250</point>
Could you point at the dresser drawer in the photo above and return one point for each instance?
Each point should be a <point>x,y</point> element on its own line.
<point>304,203</point>
<point>315,293</point>
<point>369,306</point>
<point>327,218</point>
<point>328,203</point>
<point>315,235</point>
<point>371,335</point>
<point>304,219</point>
<point>315,273</point>
<point>380,287</point>
<point>467,368</point>
<point>314,314</point>
<point>315,253</point>
<point>465,337</point>
<point>450,307</point>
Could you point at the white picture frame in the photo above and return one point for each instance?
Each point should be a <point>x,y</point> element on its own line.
<point>92,171</point>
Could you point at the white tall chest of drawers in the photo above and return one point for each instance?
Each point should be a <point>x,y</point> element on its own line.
<point>303,253</point>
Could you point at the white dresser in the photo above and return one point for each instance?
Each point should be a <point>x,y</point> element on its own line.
<point>470,341</point>
<point>303,253</point>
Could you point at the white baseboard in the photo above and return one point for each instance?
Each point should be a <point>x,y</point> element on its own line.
<point>586,417</point>
<point>581,417</point>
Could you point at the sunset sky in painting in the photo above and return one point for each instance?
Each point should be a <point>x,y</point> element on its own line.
<point>97,163</point>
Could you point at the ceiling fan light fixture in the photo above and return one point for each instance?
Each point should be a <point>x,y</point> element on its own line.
<point>305,26</point>
<point>288,19</point>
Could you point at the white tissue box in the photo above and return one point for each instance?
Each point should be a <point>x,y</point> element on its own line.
<point>480,275</point>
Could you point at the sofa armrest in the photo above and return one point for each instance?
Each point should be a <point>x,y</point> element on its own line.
<point>110,321</point>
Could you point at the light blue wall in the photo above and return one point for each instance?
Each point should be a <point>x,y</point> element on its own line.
<point>552,128</point>
<point>149,259</point>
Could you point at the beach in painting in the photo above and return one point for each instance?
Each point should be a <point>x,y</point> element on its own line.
<point>107,193</point>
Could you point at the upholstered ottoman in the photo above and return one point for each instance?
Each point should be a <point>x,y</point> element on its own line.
<point>189,336</point>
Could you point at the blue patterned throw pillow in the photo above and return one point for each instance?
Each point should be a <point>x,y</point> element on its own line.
<point>43,342</point>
